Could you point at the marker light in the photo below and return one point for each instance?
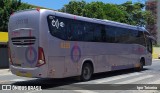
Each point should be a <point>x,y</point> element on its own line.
<point>38,9</point>
<point>41,58</point>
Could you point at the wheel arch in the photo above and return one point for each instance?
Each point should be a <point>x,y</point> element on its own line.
<point>142,59</point>
<point>90,61</point>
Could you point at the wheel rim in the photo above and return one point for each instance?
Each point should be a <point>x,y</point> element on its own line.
<point>86,73</point>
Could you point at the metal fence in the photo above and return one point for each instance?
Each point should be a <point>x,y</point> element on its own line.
<point>4,60</point>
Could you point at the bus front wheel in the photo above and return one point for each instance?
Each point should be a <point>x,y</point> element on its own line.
<point>141,64</point>
<point>86,73</point>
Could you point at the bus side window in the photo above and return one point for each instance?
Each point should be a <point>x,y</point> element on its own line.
<point>132,37</point>
<point>58,31</point>
<point>79,30</point>
<point>88,32</point>
<point>141,38</point>
<point>71,30</point>
<point>97,33</point>
<point>110,34</point>
<point>103,33</point>
<point>149,45</point>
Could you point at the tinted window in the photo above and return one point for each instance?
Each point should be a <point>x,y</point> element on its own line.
<point>76,30</point>
<point>57,26</point>
<point>141,38</point>
<point>110,34</point>
<point>121,35</point>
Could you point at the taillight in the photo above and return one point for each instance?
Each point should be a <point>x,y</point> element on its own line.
<point>41,58</point>
<point>38,9</point>
<point>9,54</point>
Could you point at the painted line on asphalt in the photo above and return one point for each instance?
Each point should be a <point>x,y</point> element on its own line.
<point>7,81</point>
<point>34,91</point>
<point>3,81</point>
<point>154,82</point>
<point>16,80</point>
<point>135,79</point>
<point>117,78</point>
<point>13,80</point>
<point>155,59</point>
<point>85,91</point>
<point>6,74</point>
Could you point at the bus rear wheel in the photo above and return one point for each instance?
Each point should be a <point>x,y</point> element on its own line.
<point>87,72</point>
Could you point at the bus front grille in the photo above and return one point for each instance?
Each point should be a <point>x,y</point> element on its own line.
<point>23,40</point>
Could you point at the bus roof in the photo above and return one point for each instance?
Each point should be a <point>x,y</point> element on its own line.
<point>94,20</point>
<point>100,21</point>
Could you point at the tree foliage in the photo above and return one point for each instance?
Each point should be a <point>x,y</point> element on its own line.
<point>7,7</point>
<point>74,7</point>
<point>128,12</point>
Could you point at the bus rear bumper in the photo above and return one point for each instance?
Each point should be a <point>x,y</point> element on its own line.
<point>36,72</point>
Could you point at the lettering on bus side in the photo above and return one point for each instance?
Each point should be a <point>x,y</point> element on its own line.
<point>65,45</point>
<point>22,21</point>
<point>75,53</point>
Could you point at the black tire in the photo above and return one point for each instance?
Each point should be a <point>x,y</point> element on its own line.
<point>141,64</point>
<point>87,72</point>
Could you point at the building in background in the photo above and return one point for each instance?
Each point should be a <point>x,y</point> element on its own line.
<point>154,7</point>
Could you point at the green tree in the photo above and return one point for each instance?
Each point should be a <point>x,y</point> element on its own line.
<point>113,13</point>
<point>74,7</point>
<point>135,13</point>
<point>128,12</point>
<point>97,9</point>
<point>94,10</point>
<point>7,7</point>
